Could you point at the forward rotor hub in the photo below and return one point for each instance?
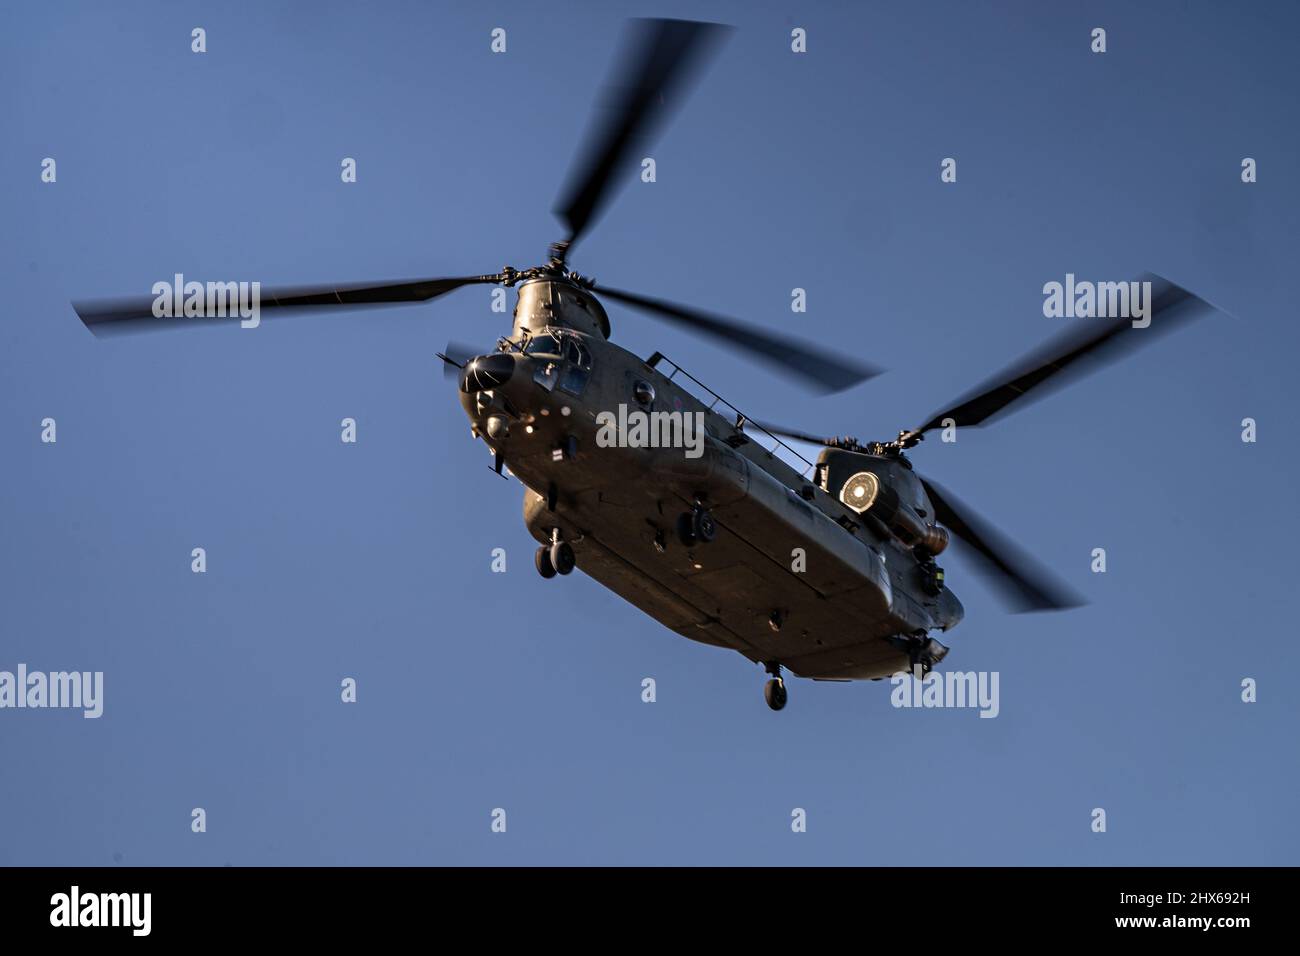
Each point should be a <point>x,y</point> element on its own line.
<point>554,269</point>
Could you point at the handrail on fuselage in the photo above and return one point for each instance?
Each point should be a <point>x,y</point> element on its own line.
<point>743,423</point>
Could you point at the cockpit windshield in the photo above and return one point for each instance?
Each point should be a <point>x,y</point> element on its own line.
<point>573,361</point>
<point>544,343</point>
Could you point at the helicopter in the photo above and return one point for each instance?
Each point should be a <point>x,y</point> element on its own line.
<point>827,569</point>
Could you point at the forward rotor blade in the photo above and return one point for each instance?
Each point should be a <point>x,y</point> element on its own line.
<point>1097,343</point>
<point>822,370</point>
<point>1024,584</point>
<point>661,57</point>
<point>456,355</point>
<point>134,314</point>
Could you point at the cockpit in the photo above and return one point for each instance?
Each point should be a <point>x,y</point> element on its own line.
<point>544,343</point>
<point>571,365</point>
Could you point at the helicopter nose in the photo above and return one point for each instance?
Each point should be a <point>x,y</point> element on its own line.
<point>486,371</point>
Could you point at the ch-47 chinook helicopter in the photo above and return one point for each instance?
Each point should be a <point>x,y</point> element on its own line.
<point>827,568</point>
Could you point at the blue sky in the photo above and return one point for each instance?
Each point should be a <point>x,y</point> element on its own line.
<point>479,690</point>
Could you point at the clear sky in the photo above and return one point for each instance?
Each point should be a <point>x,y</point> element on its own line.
<point>479,690</point>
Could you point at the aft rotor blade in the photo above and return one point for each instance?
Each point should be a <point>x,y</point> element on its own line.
<point>782,432</point>
<point>1024,584</point>
<point>820,369</point>
<point>661,56</point>
<point>101,315</point>
<point>1096,343</point>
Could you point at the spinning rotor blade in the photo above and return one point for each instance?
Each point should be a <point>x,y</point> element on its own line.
<point>456,355</point>
<point>122,314</point>
<point>791,433</point>
<point>1079,350</point>
<point>824,371</point>
<point>662,54</point>
<point>1025,585</point>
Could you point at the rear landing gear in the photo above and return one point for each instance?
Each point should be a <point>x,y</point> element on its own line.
<point>774,691</point>
<point>923,652</point>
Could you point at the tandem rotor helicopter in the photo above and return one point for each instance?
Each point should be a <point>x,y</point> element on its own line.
<point>704,544</point>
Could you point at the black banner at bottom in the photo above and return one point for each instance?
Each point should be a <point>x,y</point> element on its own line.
<point>366,904</point>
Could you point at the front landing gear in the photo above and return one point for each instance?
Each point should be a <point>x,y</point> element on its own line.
<point>562,559</point>
<point>555,558</point>
<point>774,691</point>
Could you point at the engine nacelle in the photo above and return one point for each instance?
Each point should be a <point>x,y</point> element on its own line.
<point>865,492</point>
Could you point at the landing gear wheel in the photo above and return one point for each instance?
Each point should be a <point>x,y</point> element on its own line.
<point>774,693</point>
<point>561,557</point>
<point>543,561</point>
<point>695,526</point>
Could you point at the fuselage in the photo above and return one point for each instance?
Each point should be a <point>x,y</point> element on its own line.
<point>613,450</point>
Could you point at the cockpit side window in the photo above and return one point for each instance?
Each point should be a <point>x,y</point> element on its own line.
<point>577,353</point>
<point>577,368</point>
